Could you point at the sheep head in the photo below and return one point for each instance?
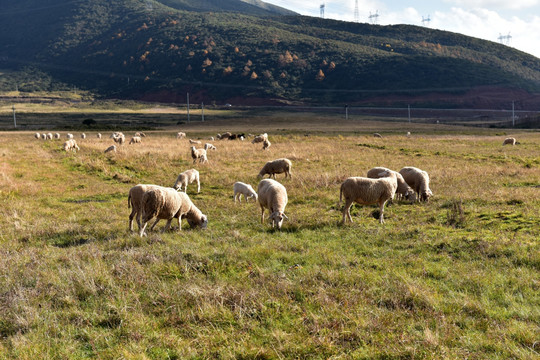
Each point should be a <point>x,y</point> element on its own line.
<point>277,218</point>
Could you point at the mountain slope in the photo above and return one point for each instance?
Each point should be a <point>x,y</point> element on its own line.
<point>248,7</point>
<point>142,49</point>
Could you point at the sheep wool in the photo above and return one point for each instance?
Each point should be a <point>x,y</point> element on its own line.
<point>509,141</point>
<point>186,178</point>
<point>272,196</point>
<point>240,188</point>
<point>403,190</point>
<point>418,180</point>
<point>278,166</point>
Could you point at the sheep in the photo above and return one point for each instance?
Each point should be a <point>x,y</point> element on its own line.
<point>198,154</point>
<point>111,148</point>
<point>403,190</point>
<point>240,188</point>
<point>118,138</point>
<point>377,135</point>
<point>277,166</point>
<point>140,134</point>
<point>180,135</point>
<point>185,178</point>
<point>211,138</point>
<point>135,140</point>
<point>191,141</point>
<point>167,204</point>
<point>44,136</point>
<point>69,136</point>
<point>56,136</point>
<point>135,196</point>
<point>37,135</point>
<point>266,144</point>
<point>272,196</point>
<point>71,145</point>
<point>418,180</point>
<point>408,133</point>
<point>49,136</point>
<point>209,146</point>
<point>224,136</point>
<point>98,135</point>
<point>83,136</point>
<point>509,141</point>
<point>367,191</point>
<point>259,138</point>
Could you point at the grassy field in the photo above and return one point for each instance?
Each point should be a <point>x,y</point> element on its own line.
<point>455,278</point>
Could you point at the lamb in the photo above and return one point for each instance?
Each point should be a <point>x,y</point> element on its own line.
<point>209,146</point>
<point>37,135</point>
<point>241,188</point>
<point>367,191</point>
<point>57,136</point>
<point>509,141</point>
<point>111,148</point>
<point>83,136</point>
<point>71,145</point>
<point>272,196</point>
<point>277,166</point>
<point>259,138</point>
<point>185,178</point>
<point>418,180</point>
<point>266,144</point>
<point>198,154</point>
<point>191,141</point>
<point>69,136</point>
<point>167,203</point>
<point>403,190</point>
<point>180,135</point>
<point>135,140</point>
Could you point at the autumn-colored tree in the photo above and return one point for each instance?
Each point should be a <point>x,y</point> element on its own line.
<point>320,75</point>
<point>227,70</point>
<point>331,66</point>
<point>254,75</point>
<point>285,59</point>
<point>206,63</point>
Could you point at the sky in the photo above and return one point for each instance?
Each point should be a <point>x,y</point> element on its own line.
<point>484,19</point>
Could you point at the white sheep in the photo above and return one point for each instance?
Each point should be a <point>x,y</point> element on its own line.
<point>209,146</point>
<point>180,135</point>
<point>69,136</point>
<point>140,134</point>
<point>191,141</point>
<point>71,145</point>
<point>418,180</point>
<point>259,138</point>
<point>240,188</point>
<point>135,196</point>
<point>266,144</point>
<point>37,135</point>
<point>367,191</point>
<point>98,135</point>
<point>57,136</point>
<point>509,141</point>
<point>118,138</point>
<point>403,190</point>
<point>277,166</point>
<point>49,136</point>
<point>186,178</point>
<point>224,136</point>
<point>198,154</point>
<point>272,196</point>
<point>377,135</point>
<point>167,204</point>
<point>211,138</point>
<point>83,136</point>
<point>44,136</point>
<point>135,140</point>
<point>111,148</point>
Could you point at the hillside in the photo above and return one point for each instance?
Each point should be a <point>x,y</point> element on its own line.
<point>235,51</point>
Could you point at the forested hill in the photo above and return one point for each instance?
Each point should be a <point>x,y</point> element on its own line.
<point>160,50</point>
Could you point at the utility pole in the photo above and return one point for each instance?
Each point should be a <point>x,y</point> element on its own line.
<point>202,111</point>
<point>14,117</point>
<point>409,111</point>
<point>187,107</point>
<point>347,112</point>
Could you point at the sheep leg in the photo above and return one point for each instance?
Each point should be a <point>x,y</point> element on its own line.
<point>131,216</point>
<point>154,224</point>
<point>347,211</point>
<point>262,215</point>
<point>198,186</point>
<point>234,197</point>
<point>141,232</point>
<point>167,226</point>
<point>381,209</point>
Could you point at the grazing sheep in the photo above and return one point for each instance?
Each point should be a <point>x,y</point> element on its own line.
<point>259,138</point>
<point>180,135</point>
<point>56,136</point>
<point>49,136</point>
<point>509,141</point>
<point>135,202</point>
<point>167,204</point>
<point>403,190</point>
<point>273,196</point>
<point>408,133</point>
<point>209,146</point>
<point>44,136</point>
<point>118,138</point>
<point>224,136</point>
<point>191,141</point>
<point>83,136</point>
<point>367,191</point>
<point>377,135</point>
<point>418,180</point>
<point>198,154</point>
<point>69,136</point>
<point>185,178</point>
<point>135,140</point>
<point>277,166</point>
<point>98,135</point>
<point>140,134</point>
<point>37,135</point>
<point>266,144</point>
<point>71,145</point>
<point>241,188</point>
<point>111,148</point>
<point>211,138</point>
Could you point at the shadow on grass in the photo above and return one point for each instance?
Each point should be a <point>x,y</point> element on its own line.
<point>72,238</point>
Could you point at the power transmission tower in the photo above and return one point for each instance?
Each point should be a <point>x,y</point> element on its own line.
<point>373,18</point>
<point>505,39</point>
<point>322,10</point>
<point>426,20</point>
<point>356,15</point>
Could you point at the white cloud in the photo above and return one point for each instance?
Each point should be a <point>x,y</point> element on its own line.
<point>499,4</point>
